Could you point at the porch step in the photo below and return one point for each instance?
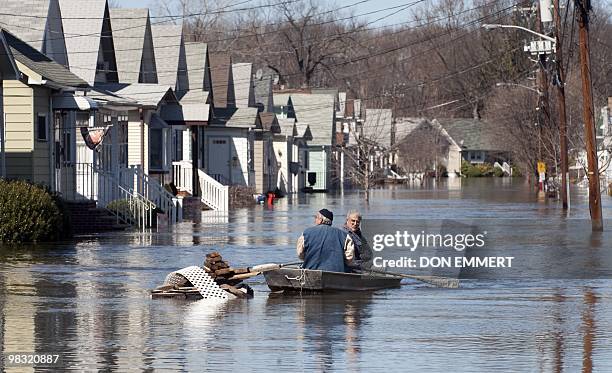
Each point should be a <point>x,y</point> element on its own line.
<point>86,218</point>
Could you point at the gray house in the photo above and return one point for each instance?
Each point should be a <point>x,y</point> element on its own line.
<point>318,111</point>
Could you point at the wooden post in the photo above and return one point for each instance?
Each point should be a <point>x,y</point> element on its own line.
<point>561,103</point>
<point>583,7</point>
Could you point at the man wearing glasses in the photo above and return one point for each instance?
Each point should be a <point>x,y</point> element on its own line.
<point>363,253</point>
<point>324,247</point>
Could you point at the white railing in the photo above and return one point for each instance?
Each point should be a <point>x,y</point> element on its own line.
<point>127,205</point>
<point>183,176</point>
<point>135,178</point>
<point>213,193</point>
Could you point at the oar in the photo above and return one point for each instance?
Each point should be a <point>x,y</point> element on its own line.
<point>442,282</point>
<point>259,269</point>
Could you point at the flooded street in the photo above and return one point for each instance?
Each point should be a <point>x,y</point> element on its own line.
<point>90,300</point>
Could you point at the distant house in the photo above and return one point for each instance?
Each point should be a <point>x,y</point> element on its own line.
<point>228,140</point>
<point>266,166</point>
<point>478,140</point>
<point>291,151</point>
<point>40,121</point>
<point>8,71</point>
<point>422,145</point>
<point>318,111</point>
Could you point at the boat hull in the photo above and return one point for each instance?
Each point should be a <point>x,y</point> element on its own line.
<point>295,279</point>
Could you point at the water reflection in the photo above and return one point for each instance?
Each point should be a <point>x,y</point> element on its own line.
<point>328,326</point>
<point>90,299</point>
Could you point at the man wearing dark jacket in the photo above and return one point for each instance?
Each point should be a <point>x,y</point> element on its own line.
<point>363,253</point>
<point>324,247</point>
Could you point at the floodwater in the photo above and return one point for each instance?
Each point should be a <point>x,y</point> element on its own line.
<point>89,300</point>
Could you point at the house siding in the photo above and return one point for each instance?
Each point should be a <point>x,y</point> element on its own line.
<point>18,108</point>
<point>239,159</point>
<point>134,136</point>
<point>318,162</point>
<point>259,157</point>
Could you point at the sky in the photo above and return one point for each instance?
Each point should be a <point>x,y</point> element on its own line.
<point>365,7</point>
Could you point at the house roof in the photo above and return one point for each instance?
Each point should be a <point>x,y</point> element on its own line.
<point>105,97</point>
<point>473,134</point>
<point>41,64</point>
<point>405,126</point>
<point>316,110</point>
<point>222,85</point>
<point>129,31</point>
<point>303,131</point>
<point>269,122</point>
<point>263,92</point>
<point>378,126</point>
<point>83,22</point>
<point>144,94</point>
<point>8,69</point>
<point>235,117</point>
<point>243,84</point>
<point>288,127</point>
<point>167,40</point>
<point>196,65</point>
<point>27,20</point>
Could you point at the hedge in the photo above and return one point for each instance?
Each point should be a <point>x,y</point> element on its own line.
<point>28,213</point>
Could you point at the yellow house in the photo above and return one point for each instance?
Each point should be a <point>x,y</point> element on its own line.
<point>40,139</point>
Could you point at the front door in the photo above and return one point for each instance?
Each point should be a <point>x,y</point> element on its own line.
<point>219,158</point>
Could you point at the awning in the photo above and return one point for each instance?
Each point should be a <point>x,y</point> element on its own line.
<point>72,102</point>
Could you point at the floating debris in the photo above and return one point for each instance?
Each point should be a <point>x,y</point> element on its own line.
<point>215,268</point>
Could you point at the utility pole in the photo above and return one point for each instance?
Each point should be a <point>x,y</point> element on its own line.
<point>544,112</point>
<point>560,82</point>
<point>583,7</point>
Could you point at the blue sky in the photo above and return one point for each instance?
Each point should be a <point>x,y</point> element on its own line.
<point>366,7</point>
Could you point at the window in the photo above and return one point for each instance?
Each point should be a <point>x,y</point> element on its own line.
<point>42,131</point>
<point>156,148</point>
<point>68,148</point>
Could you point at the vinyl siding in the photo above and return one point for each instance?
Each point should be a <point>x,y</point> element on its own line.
<point>259,155</point>
<point>239,152</point>
<point>318,162</point>
<point>18,108</point>
<point>134,135</point>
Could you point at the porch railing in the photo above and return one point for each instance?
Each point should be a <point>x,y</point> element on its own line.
<point>135,178</point>
<point>127,205</point>
<point>212,193</point>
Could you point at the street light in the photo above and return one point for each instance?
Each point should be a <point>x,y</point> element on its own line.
<point>540,93</point>
<point>494,26</point>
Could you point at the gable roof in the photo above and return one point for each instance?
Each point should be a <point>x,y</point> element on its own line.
<point>473,134</point>
<point>288,127</point>
<point>235,117</point>
<point>195,106</point>
<point>41,64</point>
<point>405,126</point>
<point>197,66</point>
<point>378,126</point>
<point>88,32</point>
<point>38,23</point>
<point>170,56</point>
<point>133,45</point>
<point>222,80</point>
<point>316,110</point>
<point>8,69</point>
<point>242,74</point>
<point>263,92</point>
<point>269,122</point>
<point>303,132</point>
<point>144,94</point>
